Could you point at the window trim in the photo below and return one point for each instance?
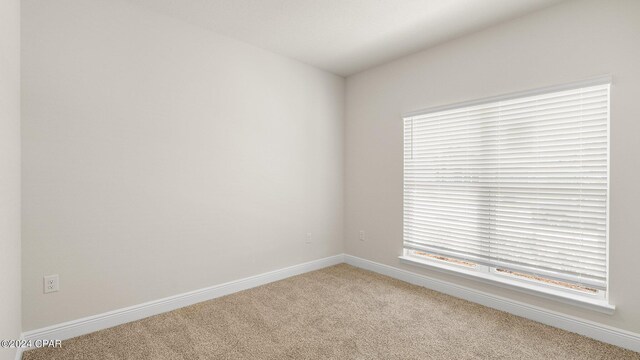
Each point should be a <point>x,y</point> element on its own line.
<point>572,297</point>
<point>547,292</point>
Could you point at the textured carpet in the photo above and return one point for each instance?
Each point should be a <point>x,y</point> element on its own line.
<point>339,312</point>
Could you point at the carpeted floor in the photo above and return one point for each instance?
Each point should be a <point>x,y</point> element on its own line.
<point>339,312</point>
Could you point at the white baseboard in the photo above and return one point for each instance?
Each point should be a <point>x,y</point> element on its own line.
<point>117,317</point>
<point>611,335</point>
<point>19,353</point>
<point>90,324</point>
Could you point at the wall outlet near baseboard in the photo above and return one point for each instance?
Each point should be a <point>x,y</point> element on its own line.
<point>361,235</point>
<point>308,239</point>
<point>51,283</point>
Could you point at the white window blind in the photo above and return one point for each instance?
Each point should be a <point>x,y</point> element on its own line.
<point>518,184</point>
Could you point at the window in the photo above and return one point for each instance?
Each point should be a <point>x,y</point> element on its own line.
<point>515,188</point>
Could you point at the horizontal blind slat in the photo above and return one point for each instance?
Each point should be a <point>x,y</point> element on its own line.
<point>552,257</point>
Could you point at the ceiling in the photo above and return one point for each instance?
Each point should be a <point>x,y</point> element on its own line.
<point>344,36</point>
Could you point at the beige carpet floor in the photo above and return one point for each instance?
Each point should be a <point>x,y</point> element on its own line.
<point>339,312</point>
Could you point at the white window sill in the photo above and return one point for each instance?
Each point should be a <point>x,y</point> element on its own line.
<point>596,304</point>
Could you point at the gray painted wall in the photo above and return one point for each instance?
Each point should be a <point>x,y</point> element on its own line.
<point>571,41</point>
<point>161,158</point>
<point>9,173</point>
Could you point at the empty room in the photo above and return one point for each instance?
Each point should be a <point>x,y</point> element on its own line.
<point>306,179</point>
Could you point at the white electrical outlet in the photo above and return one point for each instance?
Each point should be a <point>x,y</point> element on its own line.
<point>308,241</point>
<point>361,235</point>
<point>51,283</point>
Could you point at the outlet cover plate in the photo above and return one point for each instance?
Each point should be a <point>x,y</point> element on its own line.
<point>51,283</point>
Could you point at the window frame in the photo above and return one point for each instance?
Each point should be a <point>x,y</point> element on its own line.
<point>487,274</point>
